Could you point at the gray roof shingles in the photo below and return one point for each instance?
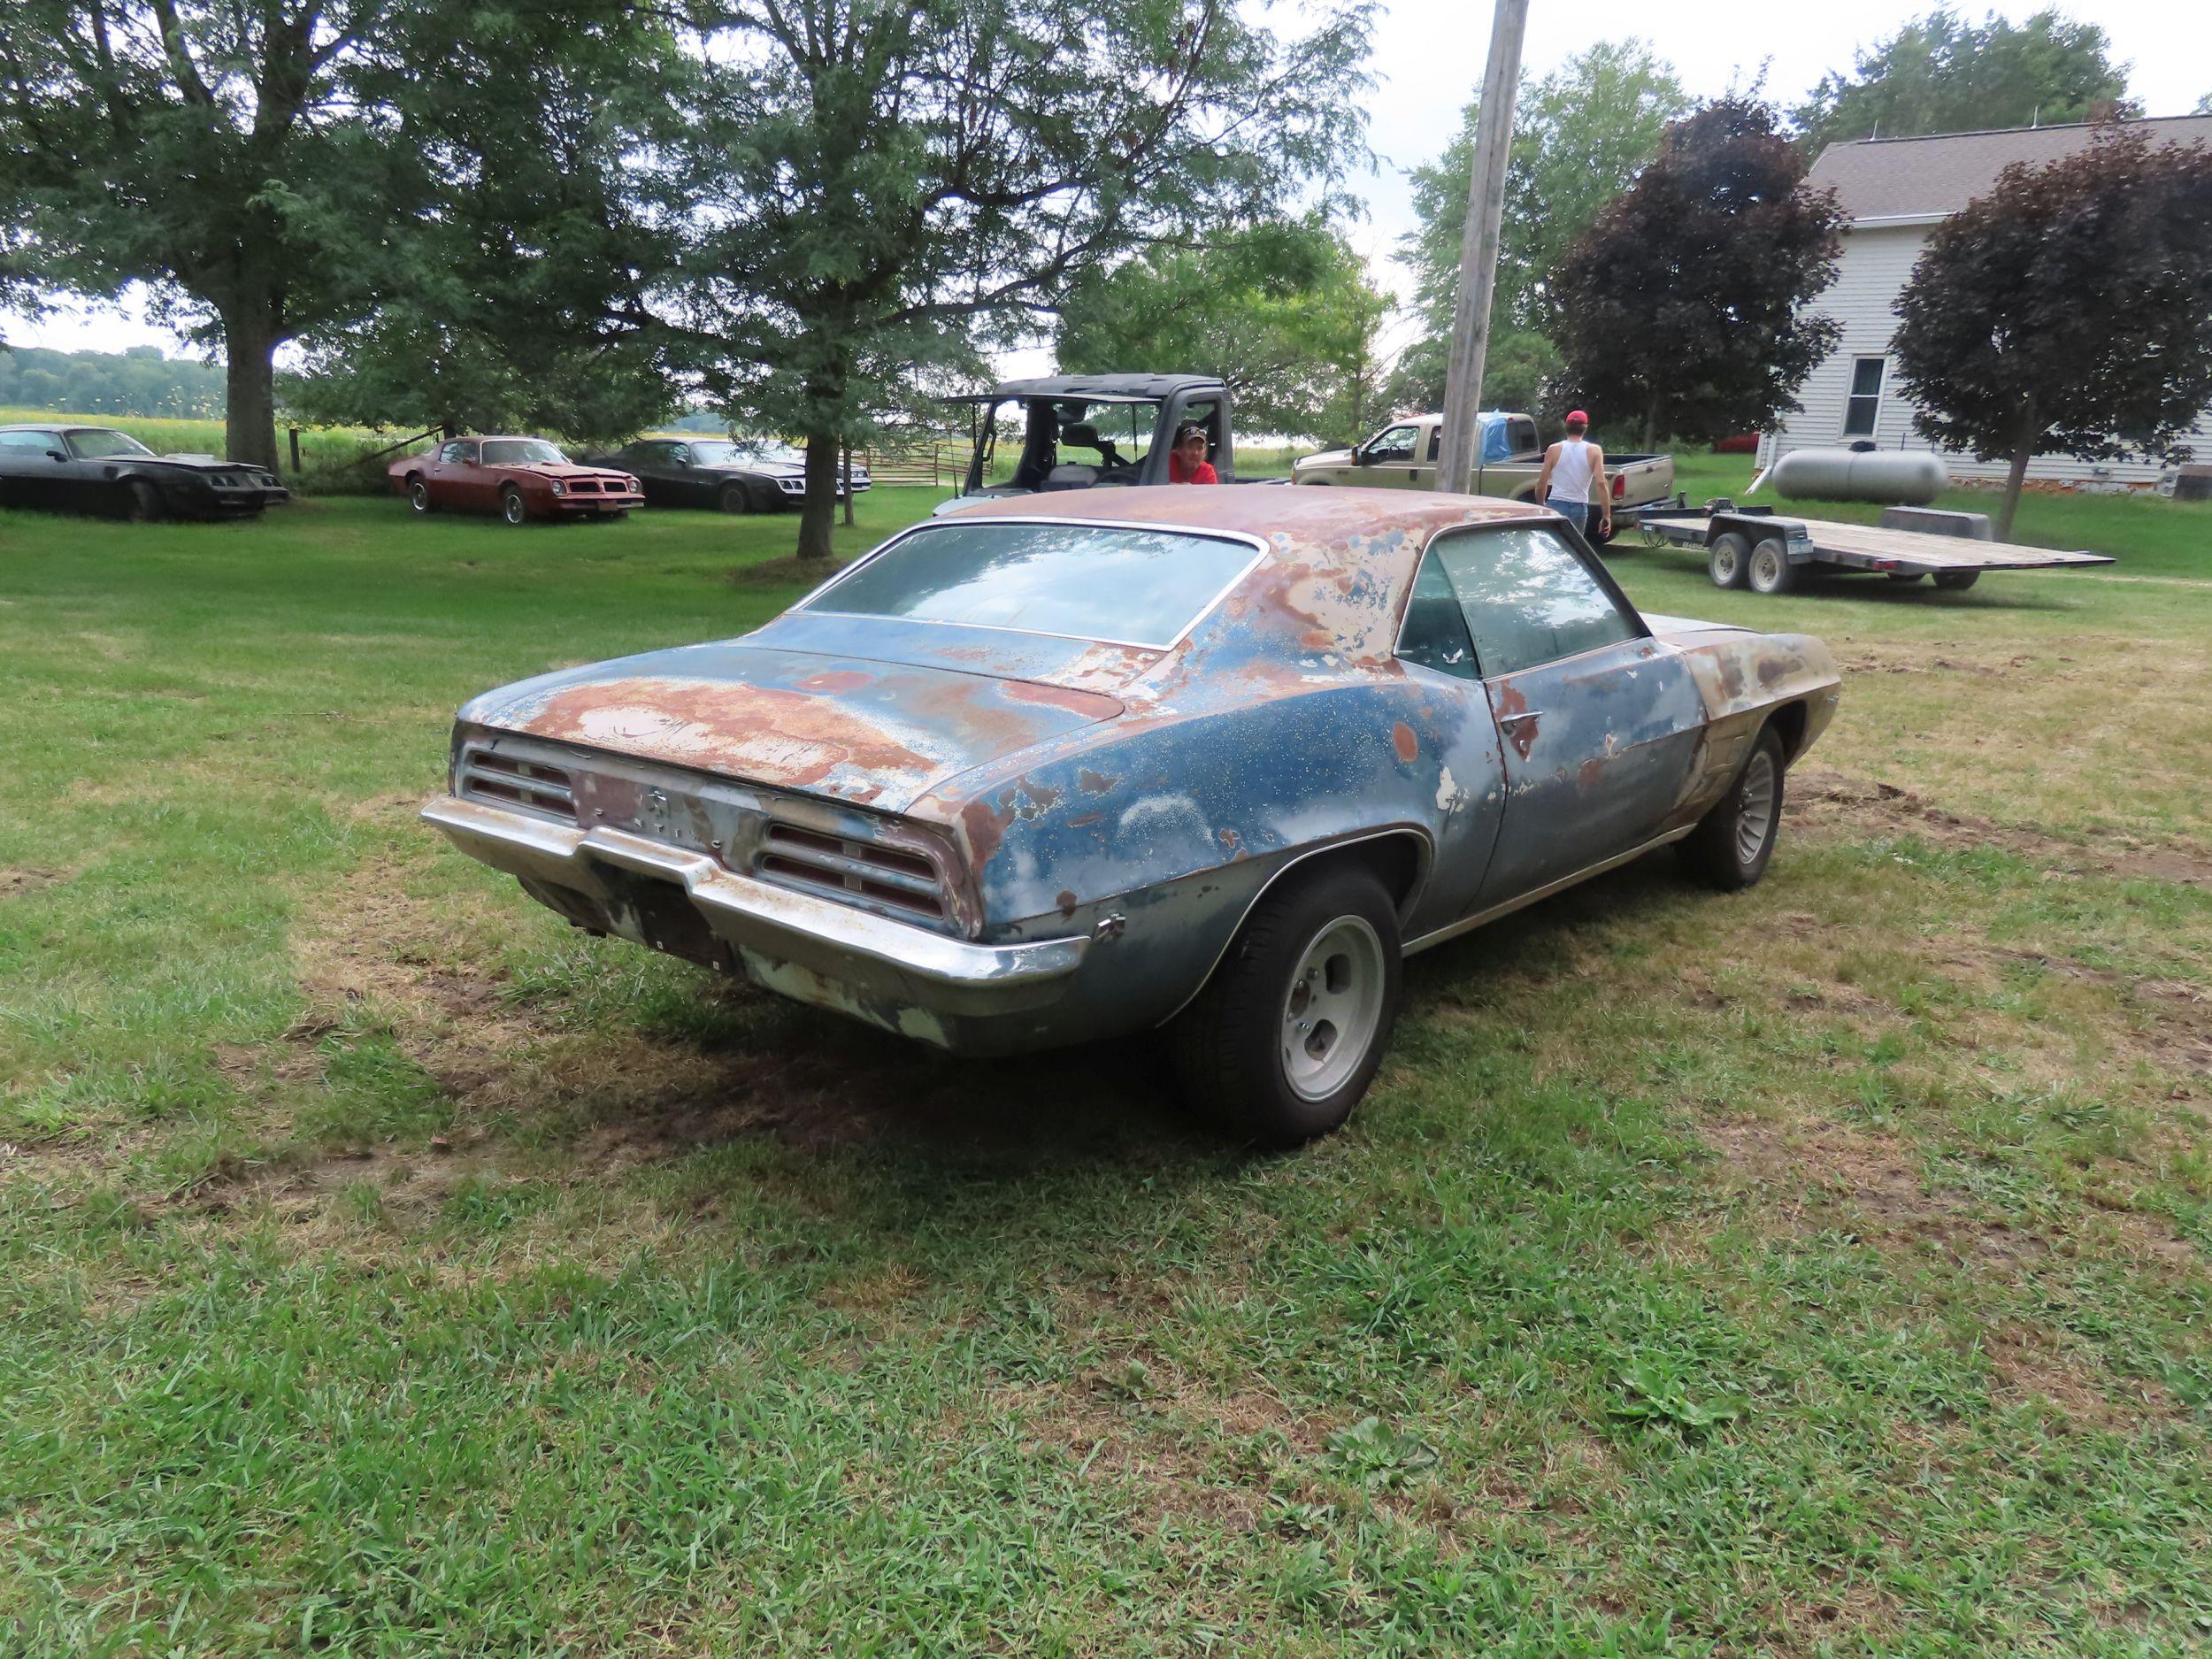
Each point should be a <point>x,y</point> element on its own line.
<point>1899,177</point>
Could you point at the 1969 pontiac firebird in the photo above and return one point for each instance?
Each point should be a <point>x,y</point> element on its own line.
<point>1208,759</point>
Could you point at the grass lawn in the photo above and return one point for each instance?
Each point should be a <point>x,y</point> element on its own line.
<point>385,1270</point>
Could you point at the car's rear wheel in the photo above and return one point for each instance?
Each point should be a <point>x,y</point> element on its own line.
<point>1957,581</point>
<point>511,505</point>
<point>419,495</point>
<point>1733,843</point>
<point>142,502</point>
<point>1771,572</point>
<point>1289,1033</point>
<point>1726,560</point>
<point>734,499</point>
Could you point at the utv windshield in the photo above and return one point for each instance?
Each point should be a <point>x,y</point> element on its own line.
<point>1103,582</point>
<point>522,452</point>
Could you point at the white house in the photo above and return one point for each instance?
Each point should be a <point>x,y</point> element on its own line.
<point>1893,190</point>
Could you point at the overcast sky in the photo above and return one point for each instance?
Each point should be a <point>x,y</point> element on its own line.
<point>1429,58</point>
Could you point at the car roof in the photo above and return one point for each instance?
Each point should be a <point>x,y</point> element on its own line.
<point>1286,515</point>
<point>55,425</point>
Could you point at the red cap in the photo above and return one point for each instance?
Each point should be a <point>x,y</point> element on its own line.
<point>1575,418</point>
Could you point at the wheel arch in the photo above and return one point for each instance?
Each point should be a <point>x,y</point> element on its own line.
<point>1399,855</point>
<point>1790,722</point>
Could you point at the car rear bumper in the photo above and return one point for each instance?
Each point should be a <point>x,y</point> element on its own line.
<point>910,979</point>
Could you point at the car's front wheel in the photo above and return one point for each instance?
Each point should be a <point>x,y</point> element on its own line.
<point>1289,1032</point>
<point>1733,842</point>
<point>511,505</point>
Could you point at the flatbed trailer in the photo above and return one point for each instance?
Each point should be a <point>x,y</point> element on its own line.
<point>1771,552</point>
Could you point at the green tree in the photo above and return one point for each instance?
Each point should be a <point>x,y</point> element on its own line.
<point>1581,136</point>
<point>1940,73</point>
<point>1517,373</point>
<point>2070,310</point>
<point>1684,303</point>
<point>138,381</point>
<point>887,184</point>
<point>1281,310</point>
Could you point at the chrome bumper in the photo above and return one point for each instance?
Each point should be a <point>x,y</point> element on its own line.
<point>845,957</point>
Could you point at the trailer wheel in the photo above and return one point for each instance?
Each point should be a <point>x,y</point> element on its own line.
<point>1730,556</point>
<point>1771,568</point>
<point>1957,581</point>
<point>1905,578</point>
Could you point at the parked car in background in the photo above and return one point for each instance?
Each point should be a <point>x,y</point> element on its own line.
<point>519,479</point>
<point>730,475</point>
<point>1403,456</point>
<point>67,468</point>
<point>1212,760</point>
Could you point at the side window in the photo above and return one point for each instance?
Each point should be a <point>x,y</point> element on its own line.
<point>676,453</point>
<point>1434,633</point>
<point>1203,414</point>
<point>463,452</point>
<point>1523,438</point>
<point>1528,597</point>
<point>34,442</point>
<point>1394,445</point>
<point>1865,407</point>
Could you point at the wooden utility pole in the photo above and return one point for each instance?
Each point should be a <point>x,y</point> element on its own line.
<point>1479,249</point>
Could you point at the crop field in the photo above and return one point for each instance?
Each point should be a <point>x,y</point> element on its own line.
<point>386,1269</point>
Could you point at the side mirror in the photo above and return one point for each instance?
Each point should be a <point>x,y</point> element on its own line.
<point>1360,458</point>
<point>55,455</point>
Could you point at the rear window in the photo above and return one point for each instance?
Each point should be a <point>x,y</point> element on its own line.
<point>1084,581</point>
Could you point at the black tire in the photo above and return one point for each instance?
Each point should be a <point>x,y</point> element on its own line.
<point>142,502</point>
<point>1771,571</point>
<point>1905,578</point>
<point>1728,559</point>
<point>734,498</point>
<point>1233,1057</point>
<point>418,496</point>
<point>1733,843</point>
<point>1957,581</point>
<point>511,507</point>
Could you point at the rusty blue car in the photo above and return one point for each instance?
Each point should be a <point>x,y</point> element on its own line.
<point>1207,761</point>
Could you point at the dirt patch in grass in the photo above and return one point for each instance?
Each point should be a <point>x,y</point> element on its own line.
<point>17,881</point>
<point>2030,1363</point>
<point>1825,799</point>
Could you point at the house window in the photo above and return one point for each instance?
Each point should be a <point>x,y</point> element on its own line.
<point>1865,404</point>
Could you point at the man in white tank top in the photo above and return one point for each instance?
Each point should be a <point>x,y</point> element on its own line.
<point>1572,469</point>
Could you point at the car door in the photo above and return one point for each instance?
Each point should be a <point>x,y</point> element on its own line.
<point>1389,460</point>
<point>29,475</point>
<point>1436,653</point>
<point>1600,724</point>
<point>461,480</point>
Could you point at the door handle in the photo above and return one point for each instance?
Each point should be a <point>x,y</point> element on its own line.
<point>1521,719</point>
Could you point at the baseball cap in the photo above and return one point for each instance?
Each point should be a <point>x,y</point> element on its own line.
<point>1577,417</point>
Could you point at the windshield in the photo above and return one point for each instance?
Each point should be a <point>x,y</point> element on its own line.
<point>522,452</point>
<point>716,452</point>
<point>1099,582</point>
<point>98,446</point>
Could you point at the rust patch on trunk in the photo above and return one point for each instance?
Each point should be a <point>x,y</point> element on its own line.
<point>1402,739</point>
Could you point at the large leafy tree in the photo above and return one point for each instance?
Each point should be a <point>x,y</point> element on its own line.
<point>1581,136</point>
<point>1941,74</point>
<point>884,184</point>
<point>225,155</point>
<point>2069,310</point>
<point>519,297</point>
<point>1282,311</point>
<point>1684,306</point>
<point>1517,373</point>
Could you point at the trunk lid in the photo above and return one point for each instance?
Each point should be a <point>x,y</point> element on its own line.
<point>871,732</point>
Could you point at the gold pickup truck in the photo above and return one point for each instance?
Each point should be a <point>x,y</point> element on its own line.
<point>1403,456</point>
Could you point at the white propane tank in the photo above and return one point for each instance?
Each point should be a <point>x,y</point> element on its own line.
<point>1909,478</point>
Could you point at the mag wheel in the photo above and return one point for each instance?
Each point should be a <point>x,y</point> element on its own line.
<point>418,494</point>
<point>1733,843</point>
<point>511,507</point>
<point>735,500</point>
<point>1289,1032</point>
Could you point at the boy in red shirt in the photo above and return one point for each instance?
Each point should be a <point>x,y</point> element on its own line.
<point>1187,462</point>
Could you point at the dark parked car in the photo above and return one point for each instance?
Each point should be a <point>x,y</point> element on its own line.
<point>1212,760</point>
<point>94,470</point>
<point>730,475</point>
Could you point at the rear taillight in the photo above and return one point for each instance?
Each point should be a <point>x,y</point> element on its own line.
<point>1620,487</point>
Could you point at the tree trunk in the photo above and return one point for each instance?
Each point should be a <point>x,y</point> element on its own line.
<point>1651,424</point>
<point>2023,452</point>
<point>249,342</point>
<point>2014,478</point>
<point>846,479</point>
<point>818,508</point>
